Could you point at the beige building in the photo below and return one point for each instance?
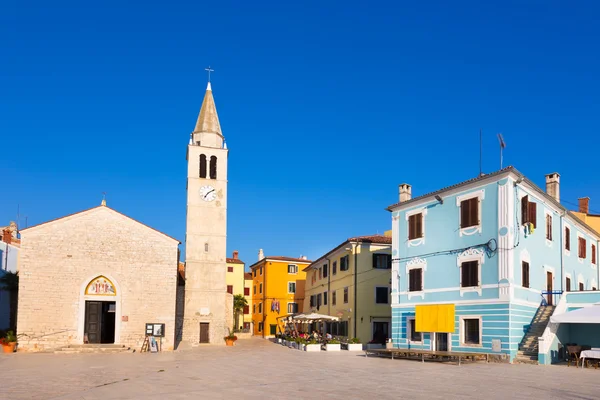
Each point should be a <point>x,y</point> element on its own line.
<point>352,282</point>
<point>208,313</point>
<point>96,276</point>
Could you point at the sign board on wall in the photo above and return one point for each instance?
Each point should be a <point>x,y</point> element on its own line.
<point>155,329</point>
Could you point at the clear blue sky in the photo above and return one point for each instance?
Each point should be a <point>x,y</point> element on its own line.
<point>326,107</point>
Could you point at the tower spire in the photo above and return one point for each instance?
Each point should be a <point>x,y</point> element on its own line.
<point>208,119</point>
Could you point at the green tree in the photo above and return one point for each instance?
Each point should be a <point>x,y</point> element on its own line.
<point>9,281</point>
<point>239,302</point>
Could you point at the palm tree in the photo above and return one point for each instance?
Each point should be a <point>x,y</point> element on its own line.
<point>239,302</point>
<point>9,281</point>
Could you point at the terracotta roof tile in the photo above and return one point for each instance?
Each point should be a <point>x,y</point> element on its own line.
<point>371,239</point>
<point>234,261</point>
<point>248,276</point>
<point>281,258</point>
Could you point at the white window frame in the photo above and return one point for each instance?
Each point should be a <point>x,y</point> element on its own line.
<point>471,254</point>
<point>387,288</point>
<point>288,307</point>
<point>289,283</point>
<point>416,263</point>
<point>421,240</point>
<point>471,230</point>
<point>546,213</point>
<point>564,233</point>
<point>409,323</point>
<point>295,269</point>
<point>582,236</point>
<point>461,326</point>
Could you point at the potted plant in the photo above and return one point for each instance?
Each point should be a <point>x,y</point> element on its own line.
<point>9,342</point>
<point>230,339</point>
<point>354,344</point>
<point>333,345</point>
<point>312,345</point>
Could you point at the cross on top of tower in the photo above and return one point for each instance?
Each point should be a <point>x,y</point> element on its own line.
<point>209,69</point>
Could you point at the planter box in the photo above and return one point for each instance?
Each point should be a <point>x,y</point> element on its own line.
<point>284,342</point>
<point>354,347</point>
<point>312,347</point>
<point>301,347</point>
<point>373,346</point>
<point>333,347</point>
<point>278,340</point>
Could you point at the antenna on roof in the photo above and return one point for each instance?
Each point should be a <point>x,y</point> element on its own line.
<point>480,151</point>
<point>502,146</point>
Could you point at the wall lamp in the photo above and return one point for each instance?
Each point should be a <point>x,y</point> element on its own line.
<point>438,198</point>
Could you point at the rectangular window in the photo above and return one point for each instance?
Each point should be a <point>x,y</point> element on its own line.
<point>415,280</point>
<point>246,291</point>
<point>525,274</point>
<point>382,261</point>
<point>567,239</point>
<point>292,269</point>
<point>319,300</point>
<point>333,298</point>
<point>246,309</point>
<point>469,212</point>
<point>254,289</point>
<point>291,287</point>
<point>548,226</point>
<point>254,308</point>
<point>593,254</point>
<point>345,295</point>
<point>381,295</point>
<point>415,226</point>
<point>582,247</point>
<point>229,269</point>
<point>320,273</point>
<point>260,288</point>
<point>312,301</point>
<point>469,274</point>
<point>581,289</point>
<point>414,335</point>
<point>528,211</point>
<point>230,289</point>
<point>254,272</point>
<point>260,326</point>
<point>344,263</point>
<point>334,268</point>
<point>471,332</point>
<point>292,308</point>
<point>325,298</point>
<point>568,284</point>
<point>260,308</point>
<point>261,270</point>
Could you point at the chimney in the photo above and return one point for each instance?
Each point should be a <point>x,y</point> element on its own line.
<point>553,185</point>
<point>584,205</point>
<point>7,236</point>
<point>404,192</point>
<point>261,254</point>
<point>235,254</point>
<point>303,258</point>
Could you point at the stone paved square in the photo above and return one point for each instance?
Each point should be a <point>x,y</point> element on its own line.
<point>259,369</point>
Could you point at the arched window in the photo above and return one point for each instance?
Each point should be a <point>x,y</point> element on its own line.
<point>213,167</point>
<point>202,166</point>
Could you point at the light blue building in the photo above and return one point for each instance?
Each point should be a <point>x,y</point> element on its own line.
<point>497,248</point>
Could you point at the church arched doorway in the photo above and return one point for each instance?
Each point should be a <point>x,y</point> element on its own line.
<point>100,311</point>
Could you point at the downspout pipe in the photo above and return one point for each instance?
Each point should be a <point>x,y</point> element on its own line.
<point>355,247</point>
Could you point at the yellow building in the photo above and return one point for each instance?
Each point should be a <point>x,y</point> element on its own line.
<point>235,280</point>
<point>352,282</point>
<point>277,290</point>
<point>584,215</point>
<point>248,296</point>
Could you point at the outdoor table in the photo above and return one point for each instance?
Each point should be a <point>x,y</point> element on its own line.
<point>589,354</point>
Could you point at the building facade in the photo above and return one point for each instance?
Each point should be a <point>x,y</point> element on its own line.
<point>277,290</point>
<point>208,314</point>
<point>95,277</point>
<point>236,282</point>
<point>352,282</point>
<point>473,262</point>
<point>248,296</point>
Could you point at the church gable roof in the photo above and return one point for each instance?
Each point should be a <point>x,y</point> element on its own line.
<point>90,211</point>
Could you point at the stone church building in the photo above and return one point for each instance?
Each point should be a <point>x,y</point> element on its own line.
<point>99,276</point>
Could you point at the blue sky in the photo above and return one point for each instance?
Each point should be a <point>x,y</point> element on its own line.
<point>326,107</point>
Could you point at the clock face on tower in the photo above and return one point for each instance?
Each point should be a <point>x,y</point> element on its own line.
<point>208,193</point>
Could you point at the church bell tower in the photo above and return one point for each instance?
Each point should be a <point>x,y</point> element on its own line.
<point>205,311</point>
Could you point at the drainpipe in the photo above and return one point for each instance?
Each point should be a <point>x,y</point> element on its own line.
<point>355,286</point>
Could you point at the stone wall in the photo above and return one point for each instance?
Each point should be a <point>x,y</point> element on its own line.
<point>58,259</point>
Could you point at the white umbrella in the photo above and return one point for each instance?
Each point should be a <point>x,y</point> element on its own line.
<point>586,315</point>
